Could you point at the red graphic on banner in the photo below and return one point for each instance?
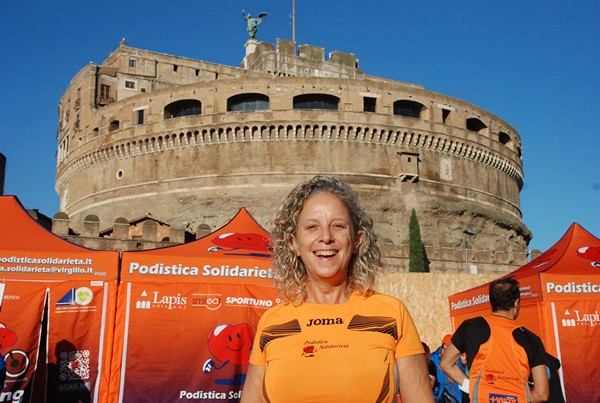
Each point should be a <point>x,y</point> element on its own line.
<point>230,345</point>
<point>7,337</point>
<point>590,253</point>
<point>235,241</point>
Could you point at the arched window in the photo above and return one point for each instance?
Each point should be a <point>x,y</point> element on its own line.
<point>184,107</point>
<point>476,125</point>
<point>408,108</point>
<point>504,138</point>
<point>248,102</point>
<point>114,125</point>
<point>316,101</point>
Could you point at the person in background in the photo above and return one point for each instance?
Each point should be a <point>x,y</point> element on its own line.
<point>500,354</point>
<point>2,372</point>
<point>334,339</point>
<point>445,388</point>
<point>430,365</point>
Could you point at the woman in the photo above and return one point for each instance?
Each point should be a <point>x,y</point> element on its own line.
<point>335,339</point>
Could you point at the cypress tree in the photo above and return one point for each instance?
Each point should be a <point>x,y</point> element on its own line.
<point>416,249</point>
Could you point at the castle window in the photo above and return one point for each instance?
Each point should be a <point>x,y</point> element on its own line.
<point>408,108</point>
<point>409,167</point>
<point>130,84</point>
<point>369,104</point>
<point>476,125</point>
<point>445,116</point>
<point>132,63</point>
<point>316,101</point>
<point>248,102</point>
<point>175,67</point>
<point>184,107</point>
<point>114,125</point>
<point>104,91</point>
<point>140,117</point>
<point>504,138</point>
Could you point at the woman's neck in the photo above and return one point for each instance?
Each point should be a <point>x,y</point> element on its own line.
<point>326,294</point>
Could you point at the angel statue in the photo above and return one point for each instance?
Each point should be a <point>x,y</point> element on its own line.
<point>252,23</point>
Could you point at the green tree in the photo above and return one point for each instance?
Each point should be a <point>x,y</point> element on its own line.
<point>417,260</point>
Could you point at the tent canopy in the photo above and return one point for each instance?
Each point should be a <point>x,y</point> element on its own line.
<point>568,270</point>
<point>560,300</point>
<point>236,251</point>
<point>29,251</point>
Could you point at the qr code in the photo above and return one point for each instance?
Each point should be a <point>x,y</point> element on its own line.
<point>74,365</point>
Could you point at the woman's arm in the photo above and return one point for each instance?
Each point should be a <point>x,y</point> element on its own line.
<point>252,385</point>
<point>414,379</point>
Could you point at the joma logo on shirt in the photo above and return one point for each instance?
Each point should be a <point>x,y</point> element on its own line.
<point>325,322</point>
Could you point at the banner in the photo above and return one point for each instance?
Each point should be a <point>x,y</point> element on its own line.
<point>188,342</point>
<point>78,289</point>
<point>81,319</point>
<point>20,328</point>
<point>578,331</point>
<point>187,316</point>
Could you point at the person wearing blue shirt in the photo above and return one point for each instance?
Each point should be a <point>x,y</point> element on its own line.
<point>2,372</point>
<point>445,389</point>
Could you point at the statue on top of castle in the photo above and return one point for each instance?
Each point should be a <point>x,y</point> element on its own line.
<point>253,23</point>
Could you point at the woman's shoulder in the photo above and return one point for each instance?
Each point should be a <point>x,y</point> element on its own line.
<point>377,298</point>
<point>282,308</point>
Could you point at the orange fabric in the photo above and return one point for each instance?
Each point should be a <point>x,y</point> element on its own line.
<point>560,298</point>
<point>447,339</point>
<point>500,369</point>
<point>186,316</point>
<point>78,286</point>
<point>339,352</point>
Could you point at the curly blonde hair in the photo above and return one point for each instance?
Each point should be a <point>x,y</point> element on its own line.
<point>290,272</point>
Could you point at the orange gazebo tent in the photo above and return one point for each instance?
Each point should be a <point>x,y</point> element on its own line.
<point>560,301</point>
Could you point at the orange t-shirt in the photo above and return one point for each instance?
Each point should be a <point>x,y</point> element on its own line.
<point>500,370</point>
<point>334,352</point>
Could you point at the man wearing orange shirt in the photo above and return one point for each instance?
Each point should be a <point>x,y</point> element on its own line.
<point>500,354</point>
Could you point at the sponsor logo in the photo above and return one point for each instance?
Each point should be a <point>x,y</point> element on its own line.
<point>144,302</point>
<point>211,302</point>
<point>160,269</point>
<point>159,301</point>
<point>311,347</point>
<point>244,301</point>
<point>168,301</point>
<point>466,303</point>
<point>76,296</point>
<point>209,394</point>
<point>236,271</point>
<point>498,398</point>
<point>325,322</point>
<point>308,351</point>
<point>573,288</point>
<point>580,318</point>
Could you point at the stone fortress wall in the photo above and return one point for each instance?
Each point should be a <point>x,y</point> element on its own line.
<point>192,142</point>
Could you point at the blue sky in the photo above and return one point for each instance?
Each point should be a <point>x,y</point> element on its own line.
<point>534,63</point>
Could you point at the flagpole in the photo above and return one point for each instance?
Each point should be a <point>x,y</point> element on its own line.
<point>294,21</point>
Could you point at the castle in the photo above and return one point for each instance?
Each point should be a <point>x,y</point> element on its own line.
<point>190,142</point>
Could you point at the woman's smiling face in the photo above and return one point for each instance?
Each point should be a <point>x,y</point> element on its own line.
<point>325,238</point>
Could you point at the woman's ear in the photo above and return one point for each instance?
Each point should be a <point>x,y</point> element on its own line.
<point>294,244</point>
<point>358,241</point>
